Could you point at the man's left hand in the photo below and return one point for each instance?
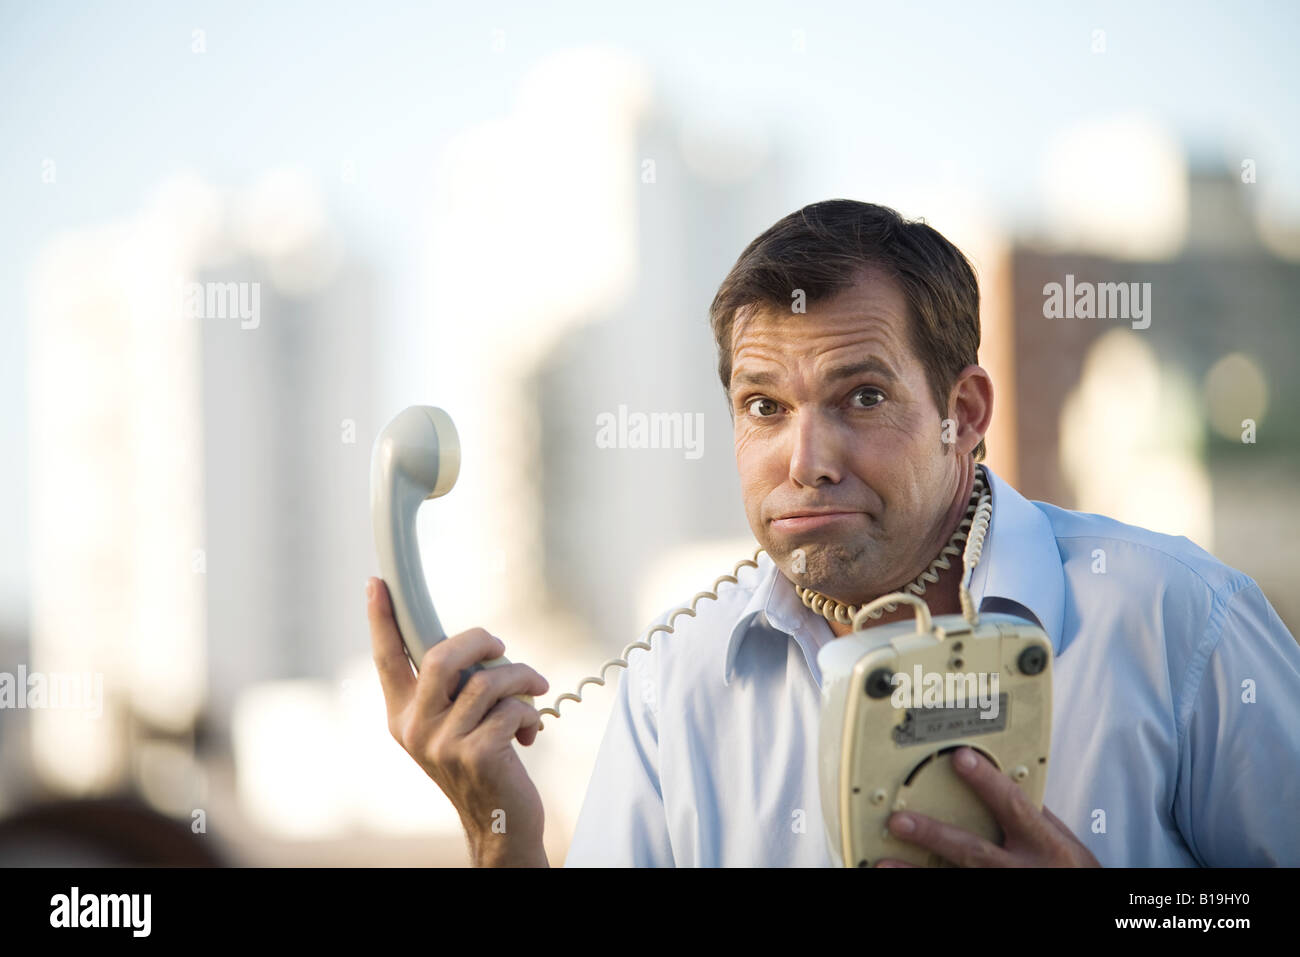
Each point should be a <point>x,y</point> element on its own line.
<point>1031,838</point>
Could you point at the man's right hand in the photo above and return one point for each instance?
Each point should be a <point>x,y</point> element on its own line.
<point>466,745</point>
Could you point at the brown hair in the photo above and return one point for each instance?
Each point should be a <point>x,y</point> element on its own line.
<point>823,248</point>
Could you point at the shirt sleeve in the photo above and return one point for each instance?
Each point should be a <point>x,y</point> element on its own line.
<point>622,822</point>
<point>1239,775</point>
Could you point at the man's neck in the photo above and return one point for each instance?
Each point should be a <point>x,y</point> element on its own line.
<point>943,596</point>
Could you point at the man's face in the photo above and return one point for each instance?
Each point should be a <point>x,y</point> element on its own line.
<point>833,414</point>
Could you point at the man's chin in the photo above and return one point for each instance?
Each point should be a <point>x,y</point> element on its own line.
<point>828,569</point>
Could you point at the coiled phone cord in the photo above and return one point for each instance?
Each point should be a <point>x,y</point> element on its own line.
<point>644,643</point>
<point>979,528</point>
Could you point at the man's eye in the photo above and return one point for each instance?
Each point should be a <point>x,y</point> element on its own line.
<point>871,397</point>
<point>763,408</point>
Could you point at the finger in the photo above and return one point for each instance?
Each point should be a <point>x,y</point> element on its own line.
<point>442,664</point>
<point>951,843</point>
<point>1004,798</point>
<point>891,862</point>
<point>485,689</point>
<point>527,736</point>
<point>395,675</point>
<point>505,720</point>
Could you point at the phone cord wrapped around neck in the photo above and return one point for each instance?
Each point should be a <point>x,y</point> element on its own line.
<point>979,529</point>
<point>644,643</point>
<point>977,524</point>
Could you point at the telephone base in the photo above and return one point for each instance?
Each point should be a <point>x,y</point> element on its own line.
<point>896,705</point>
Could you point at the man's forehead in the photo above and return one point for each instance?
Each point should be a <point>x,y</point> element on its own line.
<point>847,327</point>
<point>872,300</point>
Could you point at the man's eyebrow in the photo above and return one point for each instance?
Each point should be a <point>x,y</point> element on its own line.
<point>849,371</point>
<point>854,369</point>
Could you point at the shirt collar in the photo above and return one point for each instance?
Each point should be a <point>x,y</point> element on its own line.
<point>1020,563</point>
<point>774,603</point>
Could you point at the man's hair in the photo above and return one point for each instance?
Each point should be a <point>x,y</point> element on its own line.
<point>823,249</point>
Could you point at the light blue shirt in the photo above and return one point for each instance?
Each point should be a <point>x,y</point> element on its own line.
<point>1175,709</point>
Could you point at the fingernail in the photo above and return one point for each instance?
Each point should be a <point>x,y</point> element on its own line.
<point>965,759</point>
<point>904,824</point>
<point>370,589</point>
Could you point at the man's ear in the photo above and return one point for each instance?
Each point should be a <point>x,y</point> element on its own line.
<point>970,405</point>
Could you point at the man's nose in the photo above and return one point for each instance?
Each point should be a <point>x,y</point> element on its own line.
<point>815,453</point>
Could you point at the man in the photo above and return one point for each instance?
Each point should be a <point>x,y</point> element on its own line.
<point>847,343</point>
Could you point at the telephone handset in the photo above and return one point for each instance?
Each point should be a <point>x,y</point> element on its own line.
<point>416,457</point>
<point>875,756</point>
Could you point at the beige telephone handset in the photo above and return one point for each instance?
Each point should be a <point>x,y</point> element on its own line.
<point>416,457</point>
<point>883,744</point>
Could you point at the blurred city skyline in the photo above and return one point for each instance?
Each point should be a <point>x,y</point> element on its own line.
<point>120,101</point>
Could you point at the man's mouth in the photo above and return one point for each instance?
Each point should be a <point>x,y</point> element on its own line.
<point>806,521</point>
